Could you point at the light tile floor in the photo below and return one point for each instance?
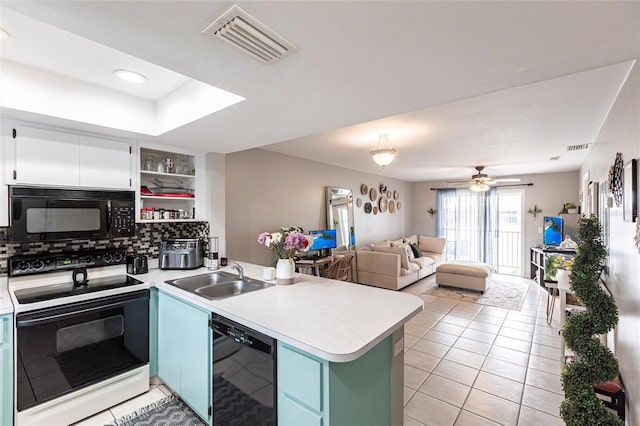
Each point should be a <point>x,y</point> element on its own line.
<point>466,364</point>
<point>470,364</point>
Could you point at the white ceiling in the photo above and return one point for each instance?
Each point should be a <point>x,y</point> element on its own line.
<point>505,84</point>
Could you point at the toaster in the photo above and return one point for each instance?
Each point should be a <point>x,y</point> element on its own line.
<point>181,253</point>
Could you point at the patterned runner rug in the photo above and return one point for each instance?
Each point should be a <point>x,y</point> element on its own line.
<point>170,411</point>
<point>501,294</point>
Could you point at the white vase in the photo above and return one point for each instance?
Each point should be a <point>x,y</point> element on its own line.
<point>284,271</point>
<point>562,276</point>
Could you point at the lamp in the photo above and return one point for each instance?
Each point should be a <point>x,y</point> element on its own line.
<point>383,153</point>
<point>479,187</point>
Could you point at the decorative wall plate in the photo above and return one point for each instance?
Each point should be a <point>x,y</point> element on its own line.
<point>358,202</point>
<point>364,189</point>
<point>367,207</point>
<point>373,194</point>
<point>392,206</point>
<point>396,195</point>
<point>383,188</point>
<point>382,204</point>
<point>389,194</point>
<point>398,205</point>
<point>375,209</point>
<point>615,179</point>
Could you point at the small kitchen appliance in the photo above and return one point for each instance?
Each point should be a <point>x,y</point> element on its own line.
<point>137,264</point>
<point>181,253</point>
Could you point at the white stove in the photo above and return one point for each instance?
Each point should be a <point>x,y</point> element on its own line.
<point>82,335</point>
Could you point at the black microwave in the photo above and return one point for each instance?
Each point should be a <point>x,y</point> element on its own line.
<point>52,214</point>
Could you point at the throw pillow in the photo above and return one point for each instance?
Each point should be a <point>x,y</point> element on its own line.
<point>416,251</point>
<point>410,253</point>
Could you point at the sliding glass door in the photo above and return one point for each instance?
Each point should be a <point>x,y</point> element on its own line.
<point>482,227</point>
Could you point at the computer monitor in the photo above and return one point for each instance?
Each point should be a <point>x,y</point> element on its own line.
<point>553,230</point>
<point>323,239</point>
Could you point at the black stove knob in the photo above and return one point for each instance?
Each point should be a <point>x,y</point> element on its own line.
<point>117,257</point>
<point>23,265</point>
<point>106,258</point>
<point>86,259</point>
<point>37,264</point>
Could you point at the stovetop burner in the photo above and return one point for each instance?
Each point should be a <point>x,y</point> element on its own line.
<point>57,291</point>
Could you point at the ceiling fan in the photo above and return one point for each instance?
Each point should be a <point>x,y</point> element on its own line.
<point>482,182</point>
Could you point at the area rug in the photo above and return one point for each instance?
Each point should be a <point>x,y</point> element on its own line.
<point>169,411</point>
<point>235,408</point>
<point>501,294</point>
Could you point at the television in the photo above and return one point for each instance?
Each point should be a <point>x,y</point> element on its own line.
<point>553,230</point>
<point>323,239</point>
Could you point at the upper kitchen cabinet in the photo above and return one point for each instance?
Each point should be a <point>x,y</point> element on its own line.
<point>45,157</point>
<point>171,185</point>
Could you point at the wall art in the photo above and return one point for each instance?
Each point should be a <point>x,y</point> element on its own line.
<point>630,181</point>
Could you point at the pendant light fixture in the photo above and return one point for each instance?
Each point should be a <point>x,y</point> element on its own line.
<point>383,153</point>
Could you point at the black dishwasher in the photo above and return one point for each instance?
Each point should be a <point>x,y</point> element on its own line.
<point>244,375</point>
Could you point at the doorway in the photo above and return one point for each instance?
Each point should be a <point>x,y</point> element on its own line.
<point>510,231</point>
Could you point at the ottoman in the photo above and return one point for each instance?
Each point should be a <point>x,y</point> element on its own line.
<point>467,275</point>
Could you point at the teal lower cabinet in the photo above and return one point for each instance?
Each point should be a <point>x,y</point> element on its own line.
<point>316,392</point>
<point>184,352</point>
<point>6,369</point>
<point>153,332</point>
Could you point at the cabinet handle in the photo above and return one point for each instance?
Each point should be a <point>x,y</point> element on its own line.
<point>15,175</point>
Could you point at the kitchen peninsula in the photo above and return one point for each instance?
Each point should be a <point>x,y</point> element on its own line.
<point>339,345</point>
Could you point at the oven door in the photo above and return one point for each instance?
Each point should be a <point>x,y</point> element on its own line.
<point>49,219</point>
<point>65,348</point>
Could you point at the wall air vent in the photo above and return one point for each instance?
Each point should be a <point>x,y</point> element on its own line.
<point>578,147</point>
<point>245,32</point>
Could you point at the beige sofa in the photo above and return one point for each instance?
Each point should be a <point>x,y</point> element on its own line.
<point>390,264</point>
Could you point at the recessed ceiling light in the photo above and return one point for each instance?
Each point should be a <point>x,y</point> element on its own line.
<point>131,76</point>
<point>4,34</point>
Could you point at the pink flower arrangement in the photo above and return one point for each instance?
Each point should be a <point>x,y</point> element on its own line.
<point>286,244</point>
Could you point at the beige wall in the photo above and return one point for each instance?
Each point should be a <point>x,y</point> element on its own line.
<point>549,192</point>
<point>621,133</point>
<point>266,190</point>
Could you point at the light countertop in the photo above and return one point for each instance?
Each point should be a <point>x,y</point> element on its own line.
<point>333,320</point>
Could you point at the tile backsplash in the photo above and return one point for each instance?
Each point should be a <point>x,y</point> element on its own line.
<point>146,241</point>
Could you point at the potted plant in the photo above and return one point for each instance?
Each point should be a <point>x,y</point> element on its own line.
<point>593,363</point>
<point>534,211</point>
<point>568,208</point>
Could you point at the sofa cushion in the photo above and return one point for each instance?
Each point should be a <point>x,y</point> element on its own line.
<point>401,251</point>
<point>413,268</point>
<point>423,261</point>
<point>472,269</point>
<point>437,258</point>
<point>432,244</point>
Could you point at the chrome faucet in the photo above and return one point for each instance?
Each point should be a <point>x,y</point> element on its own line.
<point>238,268</point>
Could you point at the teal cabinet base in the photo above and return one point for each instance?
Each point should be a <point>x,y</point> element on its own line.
<point>6,369</point>
<point>312,391</point>
<point>184,352</point>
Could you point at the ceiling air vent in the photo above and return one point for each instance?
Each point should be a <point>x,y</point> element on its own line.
<point>578,147</point>
<point>245,32</point>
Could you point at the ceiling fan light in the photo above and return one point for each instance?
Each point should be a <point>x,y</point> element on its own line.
<point>383,153</point>
<point>479,187</point>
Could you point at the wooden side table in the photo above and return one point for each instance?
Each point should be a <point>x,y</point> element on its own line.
<point>312,267</point>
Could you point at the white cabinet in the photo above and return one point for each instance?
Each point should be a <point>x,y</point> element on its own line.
<point>46,157</point>
<point>105,163</point>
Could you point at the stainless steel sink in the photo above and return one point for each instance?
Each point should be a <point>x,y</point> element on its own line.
<point>218,285</point>
<point>233,288</point>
